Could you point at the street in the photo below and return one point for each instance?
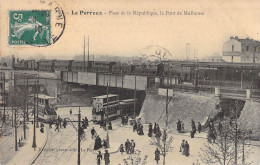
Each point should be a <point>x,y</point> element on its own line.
<point>61,147</point>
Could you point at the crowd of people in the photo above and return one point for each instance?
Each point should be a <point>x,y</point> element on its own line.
<point>154,130</point>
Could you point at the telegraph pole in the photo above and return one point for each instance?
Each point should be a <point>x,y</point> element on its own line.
<point>107,119</point>
<point>84,60</point>
<point>24,116</point>
<point>135,96</point>
<point>166,111</point>
<point>4,101</point>
<point>37,103</point>
<point>88,55</point>
<point>79,117</point>
<point>34,110</point>
<point>27,92</point>
<point>15,130</point>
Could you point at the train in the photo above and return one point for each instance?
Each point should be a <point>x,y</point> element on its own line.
<point>205,73</point>
<point>138,68</point>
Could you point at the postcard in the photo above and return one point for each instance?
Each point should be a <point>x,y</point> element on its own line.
<point>172,82</point>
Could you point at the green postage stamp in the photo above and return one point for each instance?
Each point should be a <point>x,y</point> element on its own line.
<point>30,27</point>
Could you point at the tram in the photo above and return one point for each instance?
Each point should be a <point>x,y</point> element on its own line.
<point>127,106</point>
<point>116,107</point>
<point>47,108</point>
<point>105,105</point>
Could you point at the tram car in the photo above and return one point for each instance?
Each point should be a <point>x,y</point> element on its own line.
<point>127,106</point>
<point>47,108</point>
<point>105,104</point>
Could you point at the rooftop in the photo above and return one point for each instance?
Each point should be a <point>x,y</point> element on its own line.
<point>104,96</point>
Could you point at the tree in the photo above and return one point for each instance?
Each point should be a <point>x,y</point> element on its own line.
<point>163,144</point>
<point>135,159</point>
<point>221,152</point>
<point>229,147</point>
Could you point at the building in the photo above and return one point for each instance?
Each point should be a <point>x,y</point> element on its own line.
<point>6,81</point>
<point>241,50</point>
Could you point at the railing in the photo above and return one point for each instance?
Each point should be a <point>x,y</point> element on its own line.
<point>233,92</point>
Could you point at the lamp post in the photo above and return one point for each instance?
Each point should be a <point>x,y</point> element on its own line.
<point>107,119</point>
<point>37,103</point>
<point>79,117</point>
<point>34,110</point>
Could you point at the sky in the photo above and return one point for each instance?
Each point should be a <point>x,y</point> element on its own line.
<point>127,35</point>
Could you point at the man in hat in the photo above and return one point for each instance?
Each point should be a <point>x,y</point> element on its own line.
<point>187,148</point>
<point>199,127</point>
<point>93,132</point>
<point>179,126</point>
<point>157,155</point>
<point>182,147</point>
<point>127,146</point>
<point>106,157</point>
<point>150,130</point>
<point>132,146</point>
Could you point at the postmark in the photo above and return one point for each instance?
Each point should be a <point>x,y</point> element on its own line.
<point>36,27</point>
<point>155,52</point>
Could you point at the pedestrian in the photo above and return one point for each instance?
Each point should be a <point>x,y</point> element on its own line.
<point>123,120</point>
<point>70,111</point>
<point>179,126</point>
<point>86,122</point>
<point>134,126</point>
<point>64,123</point>
<point>99,158</point>
<point>182,127</point>
<point>199,127</point>
<point>57,127</point>
<point>126,120</point>
<point>121,149</point>
<point>158,132</point>
<point>193,126</point>
<point>150,130</point>
<point>106,157</point>
<point>155,127</point>
<point>105,144</point>
<point>110,125</point>
<point>140,131</point>
<point>50,124</point>
<point>187,148</point>
<point>182,147</point>
<point>157,155</point>
<point>97,144</point>
<point>219,127</point>
<point>93,132</point>
<point>132,146</point>
<point>127,146</point>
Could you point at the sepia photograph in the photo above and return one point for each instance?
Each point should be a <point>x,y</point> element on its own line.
<point>174,82</point>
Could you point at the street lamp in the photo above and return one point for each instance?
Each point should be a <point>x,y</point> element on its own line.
<point>34,109</point>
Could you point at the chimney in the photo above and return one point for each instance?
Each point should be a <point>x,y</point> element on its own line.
<point>231,37</point>
<point>236,37</point>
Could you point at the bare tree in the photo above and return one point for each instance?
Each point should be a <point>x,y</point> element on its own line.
<point>229,147</point>
<point>221,152</point>
<point>135,159</point>
<point>163,144</point>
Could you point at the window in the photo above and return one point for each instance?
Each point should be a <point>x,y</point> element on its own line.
<point>233,48</point>
<point>247,48</point>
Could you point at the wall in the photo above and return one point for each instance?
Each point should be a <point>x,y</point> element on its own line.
<point>183,106</point>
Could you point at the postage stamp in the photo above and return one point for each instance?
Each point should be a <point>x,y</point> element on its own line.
<point>30,27</point>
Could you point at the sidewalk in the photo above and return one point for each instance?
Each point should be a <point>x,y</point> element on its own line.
<point>26,153</point>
